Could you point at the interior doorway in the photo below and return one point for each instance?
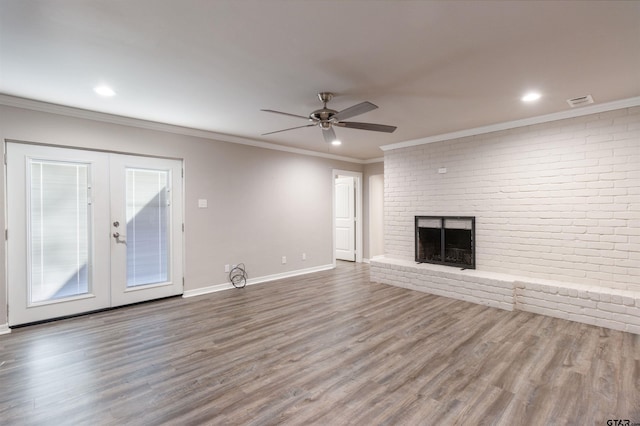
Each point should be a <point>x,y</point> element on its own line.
<point>347,215</point>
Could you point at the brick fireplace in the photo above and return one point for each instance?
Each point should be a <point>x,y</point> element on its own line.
<point>557,214</point>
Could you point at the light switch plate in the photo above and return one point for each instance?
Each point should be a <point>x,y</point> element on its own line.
<point>202,203</point>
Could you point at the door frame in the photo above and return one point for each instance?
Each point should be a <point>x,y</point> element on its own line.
<point>359,217</point>
<point>181,207</point>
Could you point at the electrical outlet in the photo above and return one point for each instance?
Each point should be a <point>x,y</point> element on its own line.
<point>284,259</point>
<point>226,268</point>
<point>304,256</point>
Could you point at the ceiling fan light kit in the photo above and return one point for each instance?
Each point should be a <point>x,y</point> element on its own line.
<point>326,118</point>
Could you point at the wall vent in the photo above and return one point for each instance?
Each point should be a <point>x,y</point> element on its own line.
<point>580,101</point>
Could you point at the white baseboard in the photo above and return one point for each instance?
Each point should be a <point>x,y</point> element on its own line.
<point>4,329</point>
<point>227,286</point>
<point>365,260</point>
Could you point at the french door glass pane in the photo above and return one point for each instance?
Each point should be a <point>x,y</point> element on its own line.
<point>60,231</point>
<point>147,226</point>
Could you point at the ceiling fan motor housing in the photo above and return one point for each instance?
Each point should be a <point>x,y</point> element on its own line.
<point>323,117</point>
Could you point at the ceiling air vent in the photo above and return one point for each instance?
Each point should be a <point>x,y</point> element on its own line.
<point>580,101</point>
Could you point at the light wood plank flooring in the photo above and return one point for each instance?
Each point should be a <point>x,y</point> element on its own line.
<point>329,348</point>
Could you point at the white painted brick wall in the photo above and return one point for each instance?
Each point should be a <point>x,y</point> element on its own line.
<point>557,201</point>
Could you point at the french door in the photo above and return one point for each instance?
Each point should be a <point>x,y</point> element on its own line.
<point>90,230</point>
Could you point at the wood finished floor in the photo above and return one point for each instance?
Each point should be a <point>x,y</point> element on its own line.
<point>328,348</point>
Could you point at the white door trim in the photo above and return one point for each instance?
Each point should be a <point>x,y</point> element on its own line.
<point>358,182</point>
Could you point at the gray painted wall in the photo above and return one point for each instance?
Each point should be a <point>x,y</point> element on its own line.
<point>369,170</point>
<point>263,204</point>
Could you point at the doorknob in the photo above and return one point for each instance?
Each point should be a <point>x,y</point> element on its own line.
<point>116,224</point>
<point>117,236</point>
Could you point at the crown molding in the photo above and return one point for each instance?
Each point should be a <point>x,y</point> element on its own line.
<point>41,106</point>
<point>578,112</point>
<point>373,160</point>
<point>31,104</point>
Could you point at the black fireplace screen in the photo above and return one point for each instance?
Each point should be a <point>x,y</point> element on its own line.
<point>446,240</point>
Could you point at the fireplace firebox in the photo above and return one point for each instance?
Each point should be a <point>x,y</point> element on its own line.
<point>446,240</point>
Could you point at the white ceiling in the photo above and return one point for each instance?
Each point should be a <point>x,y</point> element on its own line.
<point>432,67</point>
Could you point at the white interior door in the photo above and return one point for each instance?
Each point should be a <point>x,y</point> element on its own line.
<point>345,220</point>
<point>62,257</point>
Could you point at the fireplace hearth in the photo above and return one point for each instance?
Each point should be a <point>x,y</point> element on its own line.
<point>446,240</point>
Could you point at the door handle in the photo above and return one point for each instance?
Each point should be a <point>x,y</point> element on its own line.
<point>117,236</point>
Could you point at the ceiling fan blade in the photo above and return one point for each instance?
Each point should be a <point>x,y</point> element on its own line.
<point>352,111</point>
<point>366,126</point>
<point>290,128</point>
<point>329,135</point>
<point>285,113</point>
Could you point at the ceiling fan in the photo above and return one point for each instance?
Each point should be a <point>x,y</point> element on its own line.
<point>326,118</point>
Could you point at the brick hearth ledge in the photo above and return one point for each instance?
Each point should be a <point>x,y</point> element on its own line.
<point>600,306</point>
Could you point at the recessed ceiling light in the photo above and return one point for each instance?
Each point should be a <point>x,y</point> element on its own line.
<point>336,142</point>
<point>531,96</point>
<point>104,91</point>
